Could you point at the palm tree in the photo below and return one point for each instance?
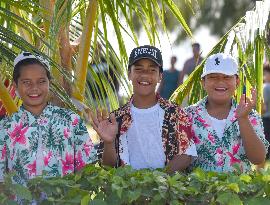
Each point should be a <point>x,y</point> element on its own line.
<point>67,32</point>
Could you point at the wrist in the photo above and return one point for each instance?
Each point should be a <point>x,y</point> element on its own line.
<point>110,143</point>
<point>243,119</point>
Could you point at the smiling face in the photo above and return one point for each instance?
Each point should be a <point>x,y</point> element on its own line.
<point>33,87</point>
<point>219,87</point>
<point>144,74</point>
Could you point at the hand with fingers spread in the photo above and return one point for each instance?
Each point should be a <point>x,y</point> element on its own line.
<point>105,127</point>
<point>246,105</point>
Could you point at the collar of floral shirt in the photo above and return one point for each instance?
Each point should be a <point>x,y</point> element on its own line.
<point>201,112</point>
<point>28,118</point>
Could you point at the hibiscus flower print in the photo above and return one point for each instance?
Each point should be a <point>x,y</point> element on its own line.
<point>203,122</point>
<point>253,121</point>
<point>47,158</point>
<point>67,164</point>
<point>75,122</point>
<point>87,148</point>
<point>66,133</point>
<point>4,152</point>
<point>42,121</point>
<point>211,138</point>
<point>32,168</point>
<point>18,134</point>
<point>196,139</point>
<point>79,161</point>
<point>220,160</point>
<point>233,159</point>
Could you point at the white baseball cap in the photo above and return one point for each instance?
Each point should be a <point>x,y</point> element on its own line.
<point>220,63</point>
<point>27,55</point>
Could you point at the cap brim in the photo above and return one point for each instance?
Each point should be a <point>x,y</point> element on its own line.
<point>214,71</point>
<point>144,58</point>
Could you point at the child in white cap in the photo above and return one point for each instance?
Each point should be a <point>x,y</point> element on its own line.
<point>226,134</point>
<point>40,138</point>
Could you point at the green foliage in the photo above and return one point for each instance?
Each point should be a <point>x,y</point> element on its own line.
<point>101,186</point>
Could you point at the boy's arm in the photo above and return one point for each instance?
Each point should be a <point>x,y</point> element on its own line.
<point>181,162</point>
<point>109,156</point>
<point>253,145</point>
<point>178,163</point>
<point>107,130</point>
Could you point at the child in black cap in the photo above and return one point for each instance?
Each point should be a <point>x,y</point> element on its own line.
<point>148,131</point>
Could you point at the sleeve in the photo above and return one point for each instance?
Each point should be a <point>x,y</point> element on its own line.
<point>191,151</point>
<point>3,152</point>
<point>184,131</point>
<point>85,153</point>
<point>257,125</point>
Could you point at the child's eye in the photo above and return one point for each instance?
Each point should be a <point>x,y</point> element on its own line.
<point>138,69</point>
<point>26,82</point>
<point>42,81</point>
<point>227,77</point>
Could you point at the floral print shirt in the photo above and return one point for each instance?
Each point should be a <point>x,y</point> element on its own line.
<point>226,153</point>
<point>57,140</point>
<point>176,130</point>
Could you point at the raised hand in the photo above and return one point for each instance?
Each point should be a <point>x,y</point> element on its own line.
<point>105,127</point>
<point>246,105</point>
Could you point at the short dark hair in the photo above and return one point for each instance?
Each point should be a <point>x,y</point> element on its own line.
<point>25,62</point>
<point>160,68</point>
<point>196,45</point>
<point>266,67</point>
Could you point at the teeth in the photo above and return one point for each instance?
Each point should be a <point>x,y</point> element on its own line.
<point>220,89</point>
<point>33,95</point>
<point>144,83</point>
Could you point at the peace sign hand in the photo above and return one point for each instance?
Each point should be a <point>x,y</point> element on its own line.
<point>246,105</point>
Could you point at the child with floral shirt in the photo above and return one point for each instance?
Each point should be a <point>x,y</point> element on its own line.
<point>226,134</point>
<point>40,138</point>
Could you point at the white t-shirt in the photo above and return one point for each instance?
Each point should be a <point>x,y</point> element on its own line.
<point>144,138</point>
<point>218,125</point>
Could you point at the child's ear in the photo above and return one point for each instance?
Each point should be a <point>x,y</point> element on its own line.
<point>237,81</point>
<point>129,74</point>
<point>160,77</point>
<point>14,85</point>
<point>203,82</point>
<point>16,88</point>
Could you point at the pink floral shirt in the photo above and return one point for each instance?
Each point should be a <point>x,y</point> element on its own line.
<point>226,153</point>
<point>65,144</point>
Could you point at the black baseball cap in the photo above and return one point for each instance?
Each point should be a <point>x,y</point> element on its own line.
<point>146,51</point>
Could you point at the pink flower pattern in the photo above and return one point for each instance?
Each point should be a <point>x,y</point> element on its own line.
<point>67,164</point>
<point>4,152</point>
<point>75,122</point>
<point>18,134</point>
<point>211,138</point>
<point>32,168</point>
<point>47,158</point>
<point>66,132</point>
<point>59,128</point>
<point>79,161</point>
<point>221,154</point>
